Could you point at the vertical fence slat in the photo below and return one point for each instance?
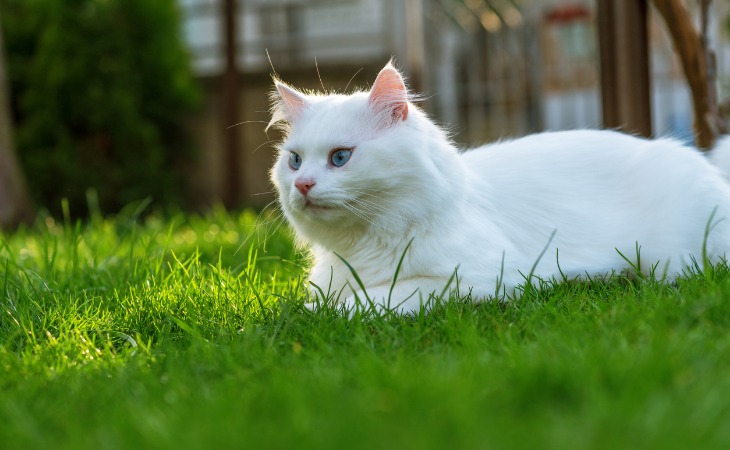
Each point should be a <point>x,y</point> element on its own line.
<point>231,99</point>
<point>624,49</point>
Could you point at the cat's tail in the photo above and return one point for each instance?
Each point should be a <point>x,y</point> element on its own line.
<point>720,155</point>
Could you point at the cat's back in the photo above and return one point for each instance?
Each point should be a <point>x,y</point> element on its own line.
<point>600,190</point>
<point>558,147</point>
<point>583,155</point>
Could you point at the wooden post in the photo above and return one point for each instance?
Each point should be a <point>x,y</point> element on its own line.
<point>231,99</point>
<point>414,40</point>
<point>15,204</point>
<point>624,54</point>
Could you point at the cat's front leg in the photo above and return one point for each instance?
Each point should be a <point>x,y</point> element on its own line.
<point>406,297</point>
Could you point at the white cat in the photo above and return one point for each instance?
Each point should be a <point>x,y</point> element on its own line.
<point>361,176</point>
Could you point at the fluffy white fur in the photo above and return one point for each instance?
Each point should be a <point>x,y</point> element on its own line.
<point>575,197</point>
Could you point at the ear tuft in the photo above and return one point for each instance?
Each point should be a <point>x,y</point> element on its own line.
<point>287,104</point>
<point>389,94</point>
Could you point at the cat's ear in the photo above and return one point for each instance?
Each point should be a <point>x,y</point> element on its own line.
<point>287,104</point>
<point>389,94</point>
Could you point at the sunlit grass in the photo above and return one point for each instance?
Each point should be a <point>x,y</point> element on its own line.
<point>189,332</point>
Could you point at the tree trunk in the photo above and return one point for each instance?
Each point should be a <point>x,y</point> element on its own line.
<point>15,205</point>
<point>698,63</point>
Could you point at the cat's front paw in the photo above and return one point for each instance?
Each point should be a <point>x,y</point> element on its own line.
<point>312,306</point>
<point>361,304</point>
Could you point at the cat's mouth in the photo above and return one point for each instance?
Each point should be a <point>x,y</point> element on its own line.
<point>308,205</point>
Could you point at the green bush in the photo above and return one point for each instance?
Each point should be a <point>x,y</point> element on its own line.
<point>101,89</point>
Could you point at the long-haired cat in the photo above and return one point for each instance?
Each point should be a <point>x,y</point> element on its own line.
<point>368,179</point>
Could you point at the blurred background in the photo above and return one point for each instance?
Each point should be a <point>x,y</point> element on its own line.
<point>114,101</point>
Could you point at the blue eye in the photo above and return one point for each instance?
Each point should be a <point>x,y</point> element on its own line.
<point>340,156</point>
<point>295,161</point>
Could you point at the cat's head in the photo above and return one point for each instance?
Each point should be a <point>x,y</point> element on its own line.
<point>350,162</point>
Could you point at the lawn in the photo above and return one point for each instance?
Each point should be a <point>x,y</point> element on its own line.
<point>189,332</point>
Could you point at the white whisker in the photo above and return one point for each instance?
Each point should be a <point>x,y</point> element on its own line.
<point>376,214</point>
<point>352,78</point>
<point>245,122</point>
<point>264,223</point>
<point>265,143</point>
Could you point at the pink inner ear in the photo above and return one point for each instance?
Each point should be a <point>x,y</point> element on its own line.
<point>293,101</point>
<point>389,92</point>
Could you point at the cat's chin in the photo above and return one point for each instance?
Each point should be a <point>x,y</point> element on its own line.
<point>309,206</point>
<point>316,211</point>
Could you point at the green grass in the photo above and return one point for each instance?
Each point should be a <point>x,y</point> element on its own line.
<point>190,333</point>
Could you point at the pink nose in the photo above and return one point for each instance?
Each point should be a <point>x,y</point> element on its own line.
<point>304,185</point>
